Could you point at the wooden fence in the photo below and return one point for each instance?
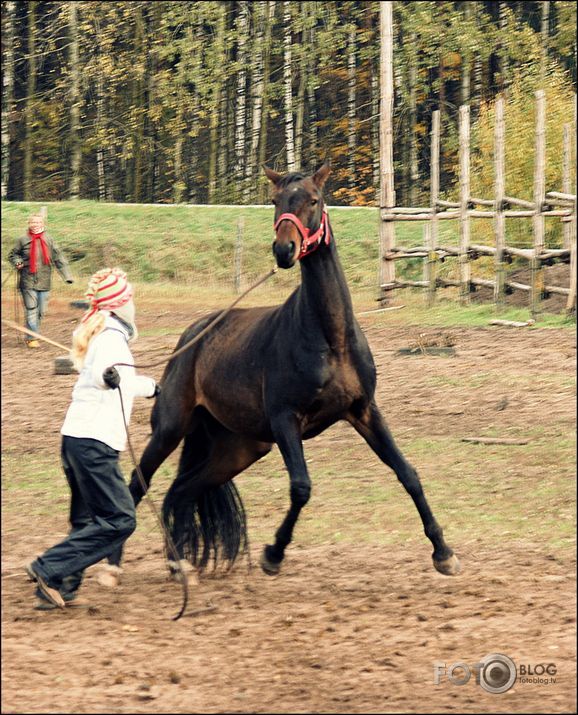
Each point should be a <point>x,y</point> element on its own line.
<point>545,204</point>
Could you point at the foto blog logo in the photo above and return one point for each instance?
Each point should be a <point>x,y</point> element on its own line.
<point>496,673</point>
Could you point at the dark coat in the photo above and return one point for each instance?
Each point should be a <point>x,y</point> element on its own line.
<point>40,280</point>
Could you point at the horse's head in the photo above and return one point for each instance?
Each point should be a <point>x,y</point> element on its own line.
<point>299,217</point>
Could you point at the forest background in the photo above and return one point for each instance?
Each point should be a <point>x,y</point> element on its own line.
<point>162,102</point>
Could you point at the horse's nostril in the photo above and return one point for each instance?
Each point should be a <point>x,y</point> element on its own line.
<point>291,248</point>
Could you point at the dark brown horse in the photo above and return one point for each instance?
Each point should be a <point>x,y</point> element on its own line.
<point>267,376</point>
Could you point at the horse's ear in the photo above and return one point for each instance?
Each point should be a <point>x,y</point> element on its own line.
<point>273,176</point>
<point>320,176</point>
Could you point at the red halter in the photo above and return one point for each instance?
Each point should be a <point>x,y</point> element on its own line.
<point>309,241</point>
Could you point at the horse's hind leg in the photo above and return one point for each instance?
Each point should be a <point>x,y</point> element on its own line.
<point>371,426</point>
<point>202,509</point>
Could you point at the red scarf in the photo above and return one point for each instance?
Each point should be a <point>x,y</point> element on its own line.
<point>37,238</point>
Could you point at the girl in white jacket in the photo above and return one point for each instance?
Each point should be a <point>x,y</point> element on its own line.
<point>102,512</point>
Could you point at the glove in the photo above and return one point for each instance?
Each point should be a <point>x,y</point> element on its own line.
<point>19,266</point>
<point>111,378</point>
<point>157,391</point>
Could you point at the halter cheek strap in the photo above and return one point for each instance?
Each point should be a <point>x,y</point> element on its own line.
<point>309,241</point>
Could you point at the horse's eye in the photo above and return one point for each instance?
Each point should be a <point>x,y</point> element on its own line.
<point>314,202</point>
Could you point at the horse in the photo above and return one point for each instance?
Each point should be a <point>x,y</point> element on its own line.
<point>264,376</point>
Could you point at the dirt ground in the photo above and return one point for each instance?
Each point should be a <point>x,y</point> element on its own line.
<point>345,628</point>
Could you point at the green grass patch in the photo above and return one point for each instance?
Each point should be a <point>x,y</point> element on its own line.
<point>187,248</point>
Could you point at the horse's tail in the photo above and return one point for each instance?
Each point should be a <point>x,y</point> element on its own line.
<point>211,525</point>
<point>207,522</point>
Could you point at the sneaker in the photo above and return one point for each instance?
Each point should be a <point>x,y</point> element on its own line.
<point>33,344</point>
<point>71,600</point>
<point>52,595</point>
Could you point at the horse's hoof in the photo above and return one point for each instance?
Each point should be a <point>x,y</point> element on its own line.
<point>271,568</point>
<point>449,567</point>
<point>109,576</point>
<point>177,569</point>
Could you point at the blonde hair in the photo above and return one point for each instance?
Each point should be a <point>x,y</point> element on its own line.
<point>82,336</point>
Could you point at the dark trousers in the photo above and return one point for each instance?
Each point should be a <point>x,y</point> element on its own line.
<point>102,513</point>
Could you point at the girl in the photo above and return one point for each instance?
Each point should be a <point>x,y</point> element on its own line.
<point>102,512</point>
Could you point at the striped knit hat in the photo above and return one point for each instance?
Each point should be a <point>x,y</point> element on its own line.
<point>108,289</point>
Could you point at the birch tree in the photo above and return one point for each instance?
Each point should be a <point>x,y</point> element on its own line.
<point>287,85</point>
<point>7,95</point>
<point>75,146</point>
<point>258,88</point>
<point>29,102</point>
<point>351,107</point>
<point>241,96</point>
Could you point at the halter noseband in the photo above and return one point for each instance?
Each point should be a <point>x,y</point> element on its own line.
<point>309,241</point>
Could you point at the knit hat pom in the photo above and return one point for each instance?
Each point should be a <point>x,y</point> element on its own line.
<point>107,289</point>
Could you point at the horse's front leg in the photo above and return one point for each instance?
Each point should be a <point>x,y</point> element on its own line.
<point>287,434</point>
<point>371,426</point>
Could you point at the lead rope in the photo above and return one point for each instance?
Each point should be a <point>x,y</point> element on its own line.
<point>205,330</point>
<point>168,539</point>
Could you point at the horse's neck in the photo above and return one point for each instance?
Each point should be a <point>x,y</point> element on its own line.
<point>324,298</point>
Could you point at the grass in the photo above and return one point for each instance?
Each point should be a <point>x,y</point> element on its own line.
<point>187,250</point>
<point>474,490</point>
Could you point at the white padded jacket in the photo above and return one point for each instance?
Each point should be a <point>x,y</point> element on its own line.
<point>95,411</point>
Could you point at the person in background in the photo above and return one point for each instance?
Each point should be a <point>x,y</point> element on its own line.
<point>102,510</point>
<point>33,257</point>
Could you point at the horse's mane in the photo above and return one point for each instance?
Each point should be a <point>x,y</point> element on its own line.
<point>290,178</point>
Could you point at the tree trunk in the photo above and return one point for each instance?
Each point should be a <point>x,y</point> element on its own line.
<point>75,146</point>
<point>313,159</point>
<point>29,105</point>
<point>215,117</point>
<point>193,144</point>
<point>152,101</point>
<point>264,188</point>
<point>240,109</point>
<point>413,158</point>
<point>224,136</point>
<point>466,61</point>
<point>545,42</point>
<point>287,84</point>
<point>351,108</point>
<point>300,110</point>
<point>504,68</point>
<point>375,127</point>
<point>100,167</point>
<point>138,106</point>
<point>8,96</point>
<point>257,83</point>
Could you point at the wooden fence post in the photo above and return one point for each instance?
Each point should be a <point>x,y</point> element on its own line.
<point>566,182</point>
<point>465,268</point>
<point>386,271</point>
<point>500,220</point>
<point>239,252</point>
<point>434,196</point>
<point>538,219</point>
<point>571,302</point>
